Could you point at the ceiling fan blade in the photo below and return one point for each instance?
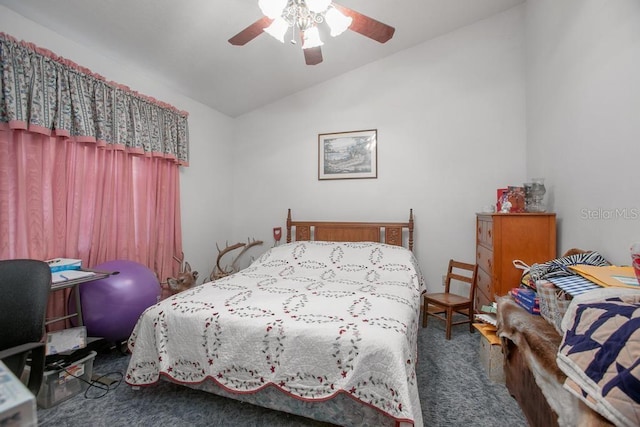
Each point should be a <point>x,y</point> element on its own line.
<point>251,32</point>
<point>366,26</point>
<point>313,55</point>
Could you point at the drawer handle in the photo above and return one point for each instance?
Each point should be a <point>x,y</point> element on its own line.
<point>489,263</point>
<point>478,254</point>
<point>489,233</point>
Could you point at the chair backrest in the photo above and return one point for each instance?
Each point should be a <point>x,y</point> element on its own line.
<point>24,286</point>
<point>462,272</point>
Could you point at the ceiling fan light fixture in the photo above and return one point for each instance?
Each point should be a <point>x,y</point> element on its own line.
<point>272,8</point>
<point>304,17</point>
<point>338,23</point>
<point>277,29</point>
<point>318,6</point>
<point>311,38</point>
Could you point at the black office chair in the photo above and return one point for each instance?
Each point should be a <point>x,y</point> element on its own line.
<point>24,286</point>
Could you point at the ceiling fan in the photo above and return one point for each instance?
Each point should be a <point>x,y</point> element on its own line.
<point>304,16</point>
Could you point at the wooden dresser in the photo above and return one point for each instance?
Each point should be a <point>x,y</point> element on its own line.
<point>502,238</point>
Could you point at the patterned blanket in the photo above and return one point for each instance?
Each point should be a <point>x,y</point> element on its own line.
<point>600,354</point>
<point>313,319</point>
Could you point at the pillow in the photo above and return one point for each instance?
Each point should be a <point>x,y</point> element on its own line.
<point>346,261</point>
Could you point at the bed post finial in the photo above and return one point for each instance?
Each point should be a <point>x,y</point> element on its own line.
<point>411,229</point>
<point>289,226</point>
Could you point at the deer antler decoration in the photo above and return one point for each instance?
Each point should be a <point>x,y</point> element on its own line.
<point>250,243</point>
<point>220,272</point>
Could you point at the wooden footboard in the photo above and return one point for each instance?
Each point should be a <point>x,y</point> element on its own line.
<point>386,232</point>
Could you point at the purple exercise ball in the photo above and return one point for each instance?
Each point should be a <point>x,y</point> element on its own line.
<point>111,306</point>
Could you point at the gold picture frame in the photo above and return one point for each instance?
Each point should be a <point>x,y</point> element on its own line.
<point>348,155</point>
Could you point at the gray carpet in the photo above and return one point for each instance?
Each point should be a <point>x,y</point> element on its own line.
<point>454,391</point>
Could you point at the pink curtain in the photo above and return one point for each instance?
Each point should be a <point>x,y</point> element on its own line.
<point>61,198</point>
<point>89,168</point>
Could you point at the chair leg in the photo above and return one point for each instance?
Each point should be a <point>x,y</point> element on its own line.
<point>449,320</point>
<point>424,314</point>
<point>471,317</point>
<point>37,369</point>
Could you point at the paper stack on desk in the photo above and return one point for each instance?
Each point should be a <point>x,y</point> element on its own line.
<point>63,276</point>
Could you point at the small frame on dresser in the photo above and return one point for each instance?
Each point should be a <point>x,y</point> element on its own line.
<point>348,155</point>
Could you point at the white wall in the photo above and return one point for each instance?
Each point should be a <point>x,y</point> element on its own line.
<point>452,127</point>
<point>583,116</point>
<point>450,115</point>
<point>206,184</point>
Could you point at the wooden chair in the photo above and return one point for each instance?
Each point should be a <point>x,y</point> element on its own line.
<point>444,305</point>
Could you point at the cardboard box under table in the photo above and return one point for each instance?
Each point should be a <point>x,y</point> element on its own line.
<point>491,352</point>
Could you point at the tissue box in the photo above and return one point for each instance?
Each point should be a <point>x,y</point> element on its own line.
<point>17,404</point>
<point>61,264</point>
<point>490,352</point>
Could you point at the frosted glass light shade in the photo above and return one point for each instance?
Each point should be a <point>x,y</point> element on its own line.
<point>318,6</point>
<point>277,29</point>
<point>311,38</point>
<point>337,22</point>
<point>272,8</point>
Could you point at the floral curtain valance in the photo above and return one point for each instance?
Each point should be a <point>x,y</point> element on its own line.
<point>44,93</point>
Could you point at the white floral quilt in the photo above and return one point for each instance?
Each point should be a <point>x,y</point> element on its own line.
<point>313,319</point>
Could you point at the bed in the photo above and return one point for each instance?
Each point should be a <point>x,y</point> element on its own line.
<point>324,326</point>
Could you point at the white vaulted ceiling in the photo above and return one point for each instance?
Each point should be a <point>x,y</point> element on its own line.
<point>184,42</point>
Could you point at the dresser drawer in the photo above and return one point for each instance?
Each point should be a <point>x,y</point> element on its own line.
<point>484,259</point>
<point>483,282</point>
<point>485,231</point>
<point>480,300</point>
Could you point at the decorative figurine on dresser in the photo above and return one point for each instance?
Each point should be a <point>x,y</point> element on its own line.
<point>505,237</point>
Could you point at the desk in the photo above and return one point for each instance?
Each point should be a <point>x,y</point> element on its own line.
<point>73,284</point>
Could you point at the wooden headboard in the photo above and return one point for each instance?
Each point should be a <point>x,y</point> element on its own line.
<point>351,231</point>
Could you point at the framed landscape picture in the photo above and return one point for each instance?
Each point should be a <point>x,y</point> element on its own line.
<point>348,155</point>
